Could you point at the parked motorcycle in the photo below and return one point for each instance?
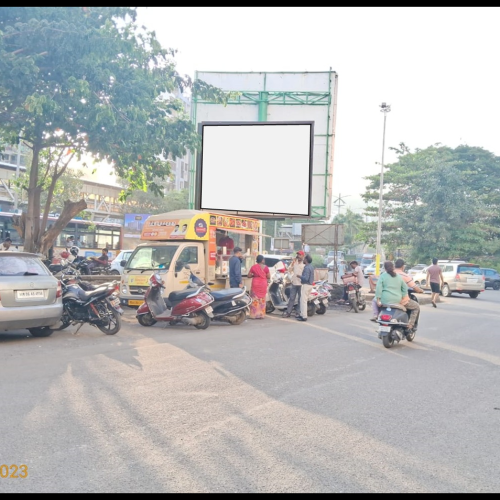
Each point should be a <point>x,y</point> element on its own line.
<point>82,265</point>
<point>356,299</point>
<point>393,323</point>
<point>99,307</point>
<point>323,296</point>
<point>191,307</point>
<point>230,305</point>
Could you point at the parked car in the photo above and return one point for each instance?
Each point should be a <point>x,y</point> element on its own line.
<point>30,297</point>
<point>420,278</point>
<point>416,269</point>
<point>271,260</point>
<point>461,277</point>
<point>370,270</point>
<point>491,278</point>
<point>115,267</point>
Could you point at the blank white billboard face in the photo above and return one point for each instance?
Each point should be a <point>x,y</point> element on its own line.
<point>261,167</point>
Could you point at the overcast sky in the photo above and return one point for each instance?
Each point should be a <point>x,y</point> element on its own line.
<point>437,67</point>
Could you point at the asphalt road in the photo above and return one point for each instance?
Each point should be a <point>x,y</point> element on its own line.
<point>267,406</point>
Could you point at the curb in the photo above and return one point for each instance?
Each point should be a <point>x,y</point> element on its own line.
<point>423,298</point>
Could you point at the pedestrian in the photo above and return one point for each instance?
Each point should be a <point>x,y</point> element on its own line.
<point>7,246</point>
<point>226,241</point>
<point>357,272</point>
<point>435,279</point>
<point>307,280</point>
<point>391,289</point>
<point>235,279</point>
<point>259,273</point>
<point>70,241</point>
<point>295,268</point>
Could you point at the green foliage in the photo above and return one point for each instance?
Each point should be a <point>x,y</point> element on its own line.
<point>440,202</point>
<point>91,81</point>
<point>353,227</point>
<point>141,202</point>
<point>317,261</point>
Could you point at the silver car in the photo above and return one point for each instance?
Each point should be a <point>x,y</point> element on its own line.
<point>30,297</point>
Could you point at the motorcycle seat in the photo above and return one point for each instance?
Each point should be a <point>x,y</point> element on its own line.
<point>395,306</point>
<point>226,294</point>
<point>180,295</point>
<point>93,293</point>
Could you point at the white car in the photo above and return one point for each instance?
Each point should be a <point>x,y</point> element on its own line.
<point>420,277</point>
<point>370,270</point>
<point>115,267</point>
<point>417,269</point>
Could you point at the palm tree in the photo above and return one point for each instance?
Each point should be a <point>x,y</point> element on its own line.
<point>353,223</point>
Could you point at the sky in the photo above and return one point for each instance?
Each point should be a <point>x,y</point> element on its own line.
<point>437,68</point>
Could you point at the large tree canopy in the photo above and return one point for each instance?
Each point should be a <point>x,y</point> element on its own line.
<point>77,80</point>
<point>441,202</point>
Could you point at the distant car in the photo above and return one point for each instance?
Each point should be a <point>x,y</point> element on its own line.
<point>30,297</point>
<point>115,267</point>
<point>491,278</point>
<point>370,270</point>
<point>416,269</point>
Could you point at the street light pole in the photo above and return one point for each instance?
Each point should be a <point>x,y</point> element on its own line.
<point>18,164</point>
<point>384,108</point>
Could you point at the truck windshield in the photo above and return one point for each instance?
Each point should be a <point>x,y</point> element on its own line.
<point>152,257</point>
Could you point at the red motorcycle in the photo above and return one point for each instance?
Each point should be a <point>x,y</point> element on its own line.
<point>191,306</point>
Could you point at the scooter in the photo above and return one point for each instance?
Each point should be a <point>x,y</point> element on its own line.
<point>393,323</point>
<point>322,297</point>
<point>356,299</point>
<point>191,307</point>
<point>230,305</point>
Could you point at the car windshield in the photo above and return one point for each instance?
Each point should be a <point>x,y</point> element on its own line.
<point>152,257</point>
<point>21,266</point>
<point>469,270</point>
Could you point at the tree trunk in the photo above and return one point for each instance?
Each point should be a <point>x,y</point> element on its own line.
<point>70,209</point>
<point>33,214</point>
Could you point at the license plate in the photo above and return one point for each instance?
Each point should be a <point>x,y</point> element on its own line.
<point>384,329</point>
<point>316,302</point>
<point>208,309</point>
<point>115,302</point>
<point>471,280</point>
<point>135,302</point>
<point>30,294</point>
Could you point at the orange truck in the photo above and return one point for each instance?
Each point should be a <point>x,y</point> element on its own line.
<point>171,240</point>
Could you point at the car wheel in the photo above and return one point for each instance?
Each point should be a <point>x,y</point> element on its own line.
<point>445,291</point>
<point>114,272</point>
<point>496,285</point>
<point>43,331</point>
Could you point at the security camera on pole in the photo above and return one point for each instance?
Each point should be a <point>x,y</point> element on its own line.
<point>384,108</point>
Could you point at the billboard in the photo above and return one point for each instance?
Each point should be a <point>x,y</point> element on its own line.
<point>132,228</point>
<point>265,155</point>
<point>323,234</point>
<point>273,97</point>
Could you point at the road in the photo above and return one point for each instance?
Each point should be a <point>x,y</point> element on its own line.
<point>267,406</point>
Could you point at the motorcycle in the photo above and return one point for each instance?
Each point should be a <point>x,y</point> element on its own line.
<point>82,265</point>
<point>356,299</point>
<point>393,323</point>
<point>230,305</point>
<point>278,294</point>
<point>191,307</point>
<point>99,307</point>
<point>322,297</point>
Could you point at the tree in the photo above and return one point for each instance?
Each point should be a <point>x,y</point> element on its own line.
<point>88,80</point>
<point>441,202</point>
<point>141,202</point>
<point>353,224</point>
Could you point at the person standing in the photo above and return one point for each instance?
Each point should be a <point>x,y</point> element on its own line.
<point>226,241</point>
<point>435,279</point>
<point>307,280</point>
<point>296,268</point>
<point>7,246</point>
<point>260,274</point>
<point>235,279</point>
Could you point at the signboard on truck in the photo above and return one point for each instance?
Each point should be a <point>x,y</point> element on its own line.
<point>273,97</point>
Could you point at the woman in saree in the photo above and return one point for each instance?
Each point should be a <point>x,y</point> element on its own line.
<point>260,274</point>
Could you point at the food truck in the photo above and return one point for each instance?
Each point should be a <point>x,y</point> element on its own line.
<point>202,240</point>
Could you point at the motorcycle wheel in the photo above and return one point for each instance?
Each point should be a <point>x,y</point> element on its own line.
<point>269,307</point>
<point>311,309</point>
<point>354,305</point>
<point>240,317</point>
<point>388,341</point>
<point>65,321</point>
<point>146,319</point>
<point>362,305</point>
<point>114,324</point>
<point>206,321</point>
<point>321,309</point>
